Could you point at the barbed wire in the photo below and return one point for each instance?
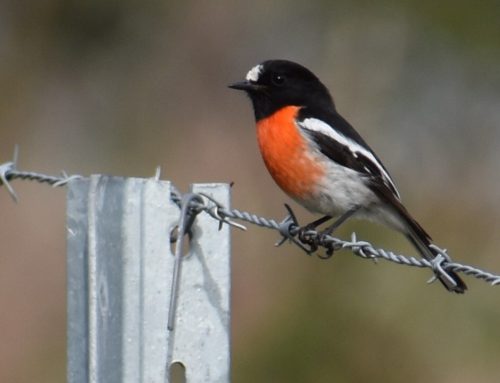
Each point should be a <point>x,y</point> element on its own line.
<point>288,228</point>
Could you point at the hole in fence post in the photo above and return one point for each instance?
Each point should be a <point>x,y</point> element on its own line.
<point>186,242</point>
<point>177,373</point>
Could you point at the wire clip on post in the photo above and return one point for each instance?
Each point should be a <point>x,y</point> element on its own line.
<point>188,215</point>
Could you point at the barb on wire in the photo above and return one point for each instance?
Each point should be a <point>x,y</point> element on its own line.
<point>288,228</point>
<point>9,172</point>
<point>214,212</point>
<point>6,170</point>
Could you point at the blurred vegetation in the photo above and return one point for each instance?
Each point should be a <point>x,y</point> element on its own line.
<point>120,87</point>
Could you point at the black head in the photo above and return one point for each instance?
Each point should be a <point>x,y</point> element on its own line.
<point>274,84</point>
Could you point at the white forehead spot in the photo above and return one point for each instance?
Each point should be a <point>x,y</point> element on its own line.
<point>254,73</point>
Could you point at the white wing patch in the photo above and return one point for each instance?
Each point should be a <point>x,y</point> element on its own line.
<point>323,128</point>
<point>254,73</point>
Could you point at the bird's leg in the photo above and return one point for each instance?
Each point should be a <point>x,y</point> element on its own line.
<point>307,241</point>
<point>285,227</point>
<point>315,241</point>
<point>344,217</point>
<point>304,237</point>
<point>314,224</point>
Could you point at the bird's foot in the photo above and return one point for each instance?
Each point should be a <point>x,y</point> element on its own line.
<point>305,237</point>
<point>309,236</point>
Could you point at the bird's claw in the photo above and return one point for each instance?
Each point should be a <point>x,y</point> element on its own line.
<point>316,240</point>
<point>304,237</point>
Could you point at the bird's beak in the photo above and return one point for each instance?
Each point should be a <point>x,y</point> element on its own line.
<point>245,85</point>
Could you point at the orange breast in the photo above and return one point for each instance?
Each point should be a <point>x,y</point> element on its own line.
<point>284,151</point>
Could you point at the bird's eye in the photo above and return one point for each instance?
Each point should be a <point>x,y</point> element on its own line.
<point>278,79</point>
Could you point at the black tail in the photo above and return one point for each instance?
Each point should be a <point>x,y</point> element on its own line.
<point>419,238</point>
<point>422,242</point>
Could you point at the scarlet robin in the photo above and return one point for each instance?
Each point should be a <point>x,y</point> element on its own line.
<point>320,161</point>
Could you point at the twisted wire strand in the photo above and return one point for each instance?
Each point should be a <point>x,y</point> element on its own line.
<point>224,215</point>
<point>42,178</point>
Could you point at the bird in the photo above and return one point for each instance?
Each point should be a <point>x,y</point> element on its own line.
<point>318,159</point>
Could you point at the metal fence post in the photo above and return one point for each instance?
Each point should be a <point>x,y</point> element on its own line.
<point>119,271</point>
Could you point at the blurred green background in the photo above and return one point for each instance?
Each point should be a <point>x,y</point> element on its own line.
<point>119,87</point>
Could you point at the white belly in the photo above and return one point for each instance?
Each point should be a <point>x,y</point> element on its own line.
<point>342,189</point>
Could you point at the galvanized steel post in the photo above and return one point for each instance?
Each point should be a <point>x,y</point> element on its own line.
<point>119,271</point>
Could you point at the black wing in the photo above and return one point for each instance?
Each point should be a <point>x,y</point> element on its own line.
<point>338,140</point>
